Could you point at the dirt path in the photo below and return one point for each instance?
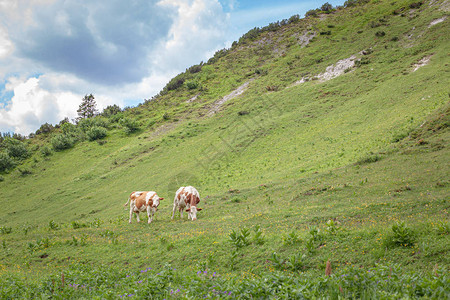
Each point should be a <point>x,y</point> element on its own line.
<point>218,104</point>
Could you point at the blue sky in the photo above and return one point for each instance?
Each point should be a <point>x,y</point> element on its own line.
<point>53,52</point>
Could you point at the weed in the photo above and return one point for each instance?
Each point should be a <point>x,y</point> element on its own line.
<point>400,235</point>
<point>258,238</point>
<point>5,230</point>
<point>291,239</point>
<point>52,225</point>
<point>77,225</point>
<point>332,227</point>
<point>241,239</point>
<point>442,227</point>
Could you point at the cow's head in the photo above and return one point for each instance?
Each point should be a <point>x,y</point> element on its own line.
<point>193,212</point>
<point>156,202</point>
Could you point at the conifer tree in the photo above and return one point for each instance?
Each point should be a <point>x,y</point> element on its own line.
<point>87,108</point>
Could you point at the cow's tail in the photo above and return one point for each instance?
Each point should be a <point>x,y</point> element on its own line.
<point>128,201</point>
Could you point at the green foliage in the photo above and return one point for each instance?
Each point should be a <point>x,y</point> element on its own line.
<point>111,110</point>
<point>78,225</point>
<point>5,230</point>
<point>129,125</point>
<point>15,148</point>
<point>401,235</point>
<point>259,237</point>
<point>87,108</point>
<point>332,227</point>
<point>96,133</point>
<point>192,85</point>
<point>241,239</point>
<point>62,141</point>
<point>52,225</point>
<point>46,151</point>
<point>6,162</point>
<point>291,239</point>
<point>443,227</point>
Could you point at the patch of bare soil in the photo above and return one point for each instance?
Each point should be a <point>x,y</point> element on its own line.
<point>193,98</point>
<point>437,21</point>
<point>305,38</point>
<point>423,62</point>
<point>237,92</point>
<point>331,72</point>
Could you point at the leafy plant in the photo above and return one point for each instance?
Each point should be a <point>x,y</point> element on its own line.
<point>277,262</point>
<point>62,141</point>
<point>241,239</point>
<point>5,230</point>
<point>96,133</point>
<point>52,225</point>
<point>332,227</point>
<point>291,238</point>
<point>6,162</point>
<point>258,238</point>
<point>400,235</point>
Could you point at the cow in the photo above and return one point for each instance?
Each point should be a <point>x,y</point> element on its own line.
<point>186,198</point>
<point>143,201</point>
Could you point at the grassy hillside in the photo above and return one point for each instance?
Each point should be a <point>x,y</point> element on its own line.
<point>292,173</point>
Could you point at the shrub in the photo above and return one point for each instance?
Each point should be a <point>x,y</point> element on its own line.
<point>380,33</point>
<point>130,125</point>
<point>62,141</point>
<point>46,151</point>
<point>96,133</point>
<point>312,13</point>
<point>111,110</point>
<point>192,85</point>
<point>15,148</point>
<point>45,128</point>
<point>68,128</point>
<point>6,162</point>
<point>401,235</point>
<point>5,230</point>
<point>369,159</point>
<point>53,225</point>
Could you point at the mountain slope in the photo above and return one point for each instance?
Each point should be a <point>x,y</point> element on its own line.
<point>366,149</point>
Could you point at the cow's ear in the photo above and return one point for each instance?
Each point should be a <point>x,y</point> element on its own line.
<point>199,209</point>
<point>161,198</point>
<point>188,209</point>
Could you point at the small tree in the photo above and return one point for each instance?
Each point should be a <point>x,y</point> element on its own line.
<point>111,110</point>
<point>326,7</point>
<point>87,108</point>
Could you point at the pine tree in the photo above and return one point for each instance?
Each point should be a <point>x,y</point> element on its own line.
<point>87,108</point>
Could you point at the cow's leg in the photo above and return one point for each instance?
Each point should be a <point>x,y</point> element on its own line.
<point>137,216</point>
<point>149,214</point>
<point>131,214</point>
<point>174,209</point>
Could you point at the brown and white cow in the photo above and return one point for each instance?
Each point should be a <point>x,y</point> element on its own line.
<point>186,198</point>
<point>143,201</point>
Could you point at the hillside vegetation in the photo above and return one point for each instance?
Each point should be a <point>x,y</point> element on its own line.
<point>314,140</point>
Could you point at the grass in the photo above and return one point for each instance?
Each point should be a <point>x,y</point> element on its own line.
<point>353,171</point>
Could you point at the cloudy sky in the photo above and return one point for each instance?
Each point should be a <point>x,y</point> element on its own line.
<point>53,52</point>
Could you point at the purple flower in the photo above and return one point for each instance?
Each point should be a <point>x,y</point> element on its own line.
<point>199,272</point>
<point>214,274</point>
<point>205,272</point>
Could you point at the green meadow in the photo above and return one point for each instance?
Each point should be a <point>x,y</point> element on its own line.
<point>351,172</point>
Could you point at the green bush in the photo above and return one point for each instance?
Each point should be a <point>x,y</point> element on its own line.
<point>6,162</point>
<point>192,85</point>
<point>96,133</point>
<point>15,148</point>
<point>129,125</point>
<point>46,151</point>
<point>62,141</point>
<point>400,235</point>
